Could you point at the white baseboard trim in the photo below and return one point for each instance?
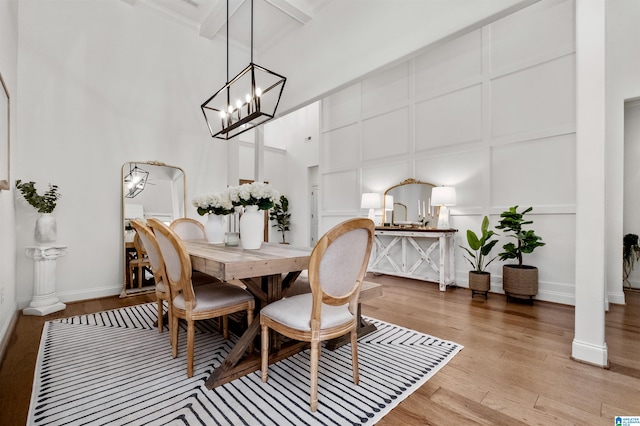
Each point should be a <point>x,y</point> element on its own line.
<point>74,296</point>
<point>617,298</point>
<point>7,330</point>
<point>590,353</point>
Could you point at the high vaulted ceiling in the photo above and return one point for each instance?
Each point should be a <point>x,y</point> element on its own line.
<point>273,19</point>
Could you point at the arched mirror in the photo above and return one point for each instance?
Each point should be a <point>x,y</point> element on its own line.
<point>407,204</point>
<point>149,190</point>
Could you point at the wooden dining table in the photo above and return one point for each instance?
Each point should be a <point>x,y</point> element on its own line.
<point>266,272</point>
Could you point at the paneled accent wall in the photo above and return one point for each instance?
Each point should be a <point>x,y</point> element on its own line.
<point>492,113</point>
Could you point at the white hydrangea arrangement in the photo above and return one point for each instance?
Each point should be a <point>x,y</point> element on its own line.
<point>218,203</point>
<point>259,194</point>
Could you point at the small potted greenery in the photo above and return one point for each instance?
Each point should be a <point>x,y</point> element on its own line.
<point>518,280</point>
<point>280,214</point>
<point>479,278</point>
<point>630,255</point>
<point>45,230</point>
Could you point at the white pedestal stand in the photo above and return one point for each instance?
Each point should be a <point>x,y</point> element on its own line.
<point>44,301</point>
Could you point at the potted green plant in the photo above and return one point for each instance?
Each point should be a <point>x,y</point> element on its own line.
<point>630,255</point>
<point>518,280</point>
<point>280,214</point>
<point>479,278</point>
<point>45,204</point>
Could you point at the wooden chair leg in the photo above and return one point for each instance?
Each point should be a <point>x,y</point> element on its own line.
<point>160,320</point>
<point>264,352</point>
<point>315,356</point>
<point>174,332</point>
<point>190,344</point>
<point>354,356</point>
<point>249,321</point>
<point>225,327</point>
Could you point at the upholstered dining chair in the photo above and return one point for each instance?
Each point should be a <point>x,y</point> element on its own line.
<point>163,291</point>
<point>336,270</point>
<point>141,262</point>
<point>191,229</point>
<point>195,303</point>
<point>188,228</point>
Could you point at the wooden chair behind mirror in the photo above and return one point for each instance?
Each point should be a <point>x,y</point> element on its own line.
<point>192,303</point>
<point>138,265</point>
<point>336,270</point>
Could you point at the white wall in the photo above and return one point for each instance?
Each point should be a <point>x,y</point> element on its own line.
<point>492,113</point>
<point>347,39</point>
<point>102,83</point>
<point>9,70</point>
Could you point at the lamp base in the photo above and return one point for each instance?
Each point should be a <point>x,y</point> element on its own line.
<point>443,218</point>
<point>372,215</point>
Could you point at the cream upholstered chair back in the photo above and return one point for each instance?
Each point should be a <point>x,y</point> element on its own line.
<point>176,260</point>
<point>188,229</point>
<point>338,264</point>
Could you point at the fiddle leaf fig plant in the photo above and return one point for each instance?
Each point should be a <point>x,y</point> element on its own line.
<point>45,203</point>
<point>280,214</point>
<point>481,247</point>
<point>527,241</point>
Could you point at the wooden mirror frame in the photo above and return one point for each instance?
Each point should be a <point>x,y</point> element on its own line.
<point>124,171</point>
<point>5,137</point>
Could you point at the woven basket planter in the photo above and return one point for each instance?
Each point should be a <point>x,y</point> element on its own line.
<point>520,282</point>
<point>479,282</point>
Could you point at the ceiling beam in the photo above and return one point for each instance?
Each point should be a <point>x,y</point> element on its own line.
<point>216,20</point>
<point>288,7</point>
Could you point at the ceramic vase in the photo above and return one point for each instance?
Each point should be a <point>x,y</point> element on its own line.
<point>46,229</point>
<point>214,229</point>
<point>251,228</point>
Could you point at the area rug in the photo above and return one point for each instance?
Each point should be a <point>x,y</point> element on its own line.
<point>114,368</point>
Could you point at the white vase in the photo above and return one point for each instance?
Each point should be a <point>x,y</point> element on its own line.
<point>214,229</point>
<point>46,229</point>
<point>251,228</point>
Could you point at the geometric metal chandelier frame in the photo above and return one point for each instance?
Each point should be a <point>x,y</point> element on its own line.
<point>135,181</point>
<point>246,101</point>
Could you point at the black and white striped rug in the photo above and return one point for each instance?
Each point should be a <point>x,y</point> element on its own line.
<point>114,368</point>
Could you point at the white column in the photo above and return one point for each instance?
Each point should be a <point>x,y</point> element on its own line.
<point>44,301</point>
<point>588,343</point>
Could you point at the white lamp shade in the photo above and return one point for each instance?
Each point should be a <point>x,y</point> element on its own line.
<point>388,202</point>
<point>443,196</point>
<point>370,200</point>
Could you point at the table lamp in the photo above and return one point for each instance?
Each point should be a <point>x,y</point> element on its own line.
<point>442,197</point>
<point>371,201</point>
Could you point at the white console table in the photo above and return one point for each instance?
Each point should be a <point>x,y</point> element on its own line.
<point>44,300</point>
<point>420,253</point>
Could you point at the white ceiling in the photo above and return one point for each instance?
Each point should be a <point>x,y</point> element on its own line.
<point>272,19</point>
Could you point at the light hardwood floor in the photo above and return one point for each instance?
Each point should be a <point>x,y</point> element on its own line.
<point>515,367</point>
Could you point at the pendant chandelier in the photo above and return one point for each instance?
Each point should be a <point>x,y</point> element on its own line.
<point>246,101</point>
<point>135,181</point>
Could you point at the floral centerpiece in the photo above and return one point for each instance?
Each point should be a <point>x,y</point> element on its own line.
<point>218,203</point>
<point>258,194</point>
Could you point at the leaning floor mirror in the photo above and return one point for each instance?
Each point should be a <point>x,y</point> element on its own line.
<point>149,190</point>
